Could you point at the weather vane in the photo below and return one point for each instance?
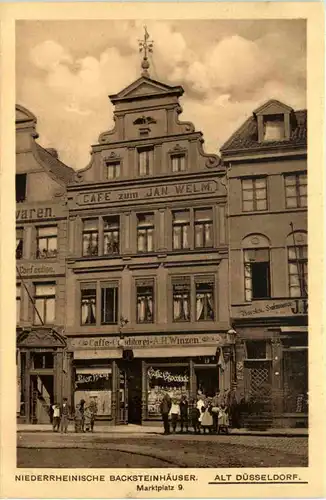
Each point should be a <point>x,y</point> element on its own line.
<point>146,47</point>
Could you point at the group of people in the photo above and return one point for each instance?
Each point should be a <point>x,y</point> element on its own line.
<point>207,414</point>
<point>83,416</point>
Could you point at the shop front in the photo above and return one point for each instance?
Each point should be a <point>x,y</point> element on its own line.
<point>128,381</point>
<point>41,373</point>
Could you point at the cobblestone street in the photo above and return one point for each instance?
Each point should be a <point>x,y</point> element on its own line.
<point>102,451</point>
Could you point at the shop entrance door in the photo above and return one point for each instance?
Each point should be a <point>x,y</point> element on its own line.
<point>134,393</point>
<point>207,380</point>
<point>122,397</point>
<point>41,398</point>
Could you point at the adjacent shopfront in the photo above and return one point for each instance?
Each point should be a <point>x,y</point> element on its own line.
<point>128,379</point>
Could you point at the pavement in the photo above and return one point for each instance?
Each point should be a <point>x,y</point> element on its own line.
<point>125,449</point>
<point>156,428</point>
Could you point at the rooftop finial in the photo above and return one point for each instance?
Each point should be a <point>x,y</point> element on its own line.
<point>146,47</point>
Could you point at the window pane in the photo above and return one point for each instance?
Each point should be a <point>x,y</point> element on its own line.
<point>291,191</point>
<point>177,237</point>
<point>247,195</point>
<point>294,280</point>
<point>291,202</point>
<point>247,184</point>
<point>47,231</point>
<point>260,183</point>
<point>303,201</point>
<point>201,215</point>
<point>302,179</point>
<point>150,240</point>
<point>44,289</point>
<point>50,311</point>
<point>295,291</point>
<point>39,305</point>
<point>247,206</point>
<point>290,180</point>
<point>181,216</point>
<point>52,245</point>
<point>90,225</point>
<point>261,204</point>
<point>303,190</point>
<point>198,236</point>
<point>261,194</point>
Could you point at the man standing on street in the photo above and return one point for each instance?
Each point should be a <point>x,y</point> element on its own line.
<point>65,413</point>
<point>165,408</point>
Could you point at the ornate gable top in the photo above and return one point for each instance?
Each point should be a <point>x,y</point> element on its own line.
<point>145,87</point>
<point>40,337</point>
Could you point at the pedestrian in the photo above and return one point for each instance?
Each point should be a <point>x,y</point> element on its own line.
<point>82,411</point>
<point>87,418</point>
<point>207,419</point>
<point>234,408</point>
<point>93,410</point>
<point>216,402</point>
<point>183,413</point>
<point>165,408</point>
<point>194,414</point>
<point>174,414</point>
<point>223,419</point>
<point>78,419</point>
<point>56,417</point>
<point>65,414</point>
<point>200,401</point>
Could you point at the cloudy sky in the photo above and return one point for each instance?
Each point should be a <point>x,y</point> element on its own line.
<point>66,69</point>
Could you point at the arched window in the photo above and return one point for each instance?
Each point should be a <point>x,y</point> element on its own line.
<point>256,267</point>
<point>297,249</point>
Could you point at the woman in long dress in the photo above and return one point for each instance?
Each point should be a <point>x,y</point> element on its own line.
<point>207,418</point>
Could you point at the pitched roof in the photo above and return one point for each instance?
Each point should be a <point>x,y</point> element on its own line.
<point>246,137</point>
<point>61,171</point>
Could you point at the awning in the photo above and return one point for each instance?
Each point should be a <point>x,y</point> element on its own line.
<point>173,352</point>
<point>294,329</point>
<point>98,354</point>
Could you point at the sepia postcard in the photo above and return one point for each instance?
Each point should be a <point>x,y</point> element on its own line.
<point>160,168</point>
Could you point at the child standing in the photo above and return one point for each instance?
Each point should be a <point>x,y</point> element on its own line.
<point>194,416</point>
<point>56,417</point>
<point>174,413</point>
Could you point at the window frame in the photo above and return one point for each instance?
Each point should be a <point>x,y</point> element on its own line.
<point>202,282</point>
<point>21,198</point>
<point>178,156</point>
<point>47,238</point>
<point>203,223</point>
<point>88,287</point>
<point>45,298</point>
<point>111,231</point>
<point>20,244</point>
<point>297,185</point>
<point>116,165</point>
<point>145,226</point>
<point>184,282</point>
<point>149,163</point>
<point>182,225</point>
<point>143,284</point>
<point>91,232</point>
<point>254,190</point>
<point>110,286</point>
<point>303,267</point>
<point>246,265</point>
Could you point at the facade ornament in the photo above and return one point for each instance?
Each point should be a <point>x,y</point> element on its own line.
<point>145,47</point>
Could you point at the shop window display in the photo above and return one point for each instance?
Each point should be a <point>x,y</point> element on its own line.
<point>173,380</point>
<point>94,384</point>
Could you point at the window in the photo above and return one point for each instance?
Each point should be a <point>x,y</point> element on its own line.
<point>88,304</point>
<point>145,302</point>
<point>145,232</point>
<point>274,128</point>
<point>21,187</point>
<point>109,304</point>
<point>298,270</point>
<point>178,162</point>
<point>296,191</point>
<point>42,360</point>
<point>90,237</point>
<point>181,227</point>
<point>111,235</point>
<point>256,349</point>
<point>254,194</point>
<point>112,170</point>
<point>19,243</point>
<point>257,274</point>
<point>204,301</point>
<point>46,238</point>
<point>145,162</point>
<point>204,228</point>
<point>181,300</point>
<point>44,303</point>
<point>18,302</point>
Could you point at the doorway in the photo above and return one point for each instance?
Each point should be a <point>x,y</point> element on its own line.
<point>41,398</point>
<point>135,393</point>
<point>207,380</point>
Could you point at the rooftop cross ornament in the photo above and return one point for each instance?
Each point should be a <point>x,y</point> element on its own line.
<point>146,47</point>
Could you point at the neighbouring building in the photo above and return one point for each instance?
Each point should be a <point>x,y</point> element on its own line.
<point>147,261</point>
<point>41,226</point>
<point>266,161</point>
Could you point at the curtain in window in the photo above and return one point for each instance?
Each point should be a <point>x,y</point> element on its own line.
<point>208,234</point>
<point>141,309</point>
<point>141,240</point>
<point>88,311</point>
<point>199,305</point>
<point>210,305</point>
<point>176,307</point>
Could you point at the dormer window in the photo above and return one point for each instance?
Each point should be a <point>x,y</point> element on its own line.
<point>274,129</point>
<point>112,170</point>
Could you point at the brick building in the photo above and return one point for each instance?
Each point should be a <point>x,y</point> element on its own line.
<point>41,226</point>
<point>266,159</point>
<point>147,266</point>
